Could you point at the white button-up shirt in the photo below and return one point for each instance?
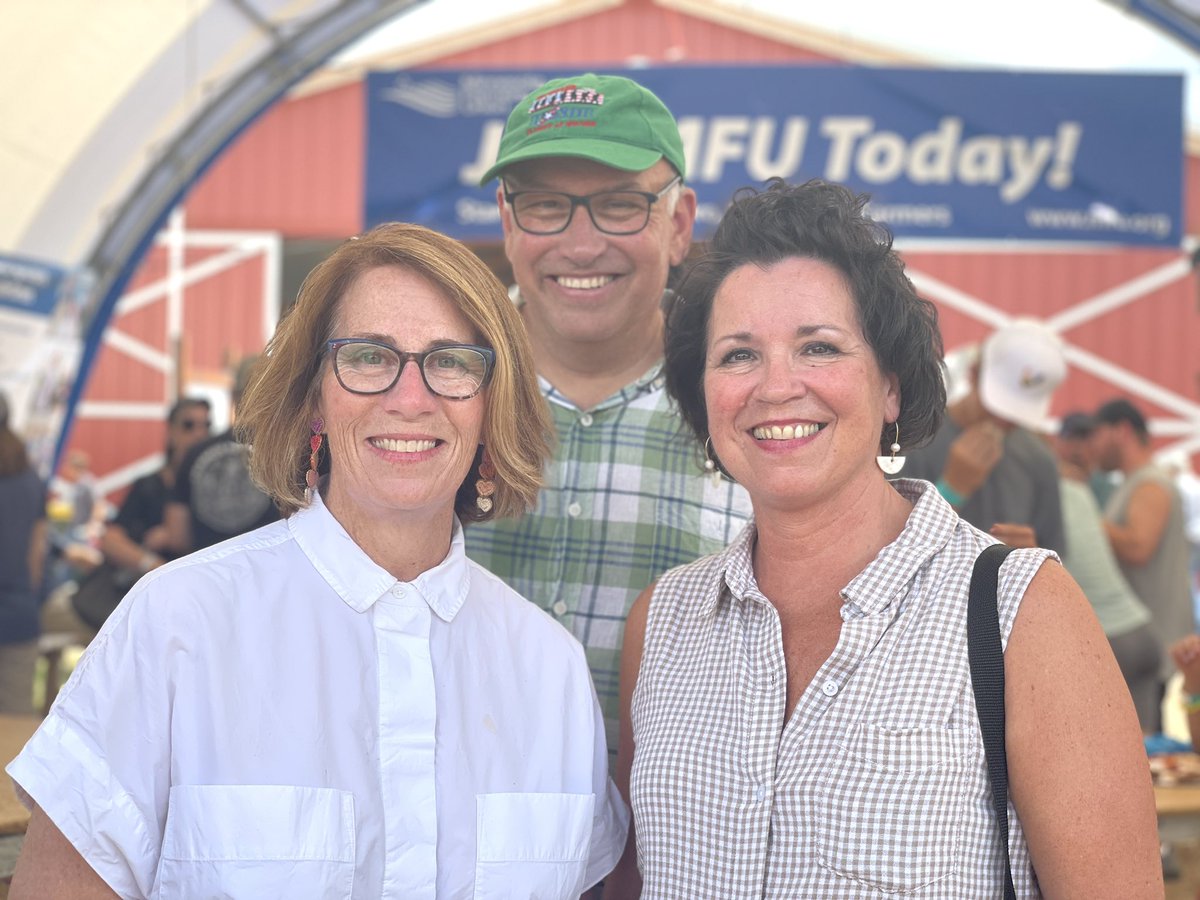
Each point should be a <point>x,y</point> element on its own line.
<point>277,716</point>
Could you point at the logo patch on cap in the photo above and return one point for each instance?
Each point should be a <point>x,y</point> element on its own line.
<point>564,107</point>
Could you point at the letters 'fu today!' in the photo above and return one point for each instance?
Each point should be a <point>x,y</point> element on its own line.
<point>943,154</point>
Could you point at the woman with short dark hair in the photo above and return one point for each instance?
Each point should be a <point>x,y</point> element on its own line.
<point>797,711</point>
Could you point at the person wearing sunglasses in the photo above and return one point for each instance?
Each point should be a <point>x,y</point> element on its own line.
<point>596,216</point>
<point>213,497</point>
<point>135,540</point>
<point>341,704</point>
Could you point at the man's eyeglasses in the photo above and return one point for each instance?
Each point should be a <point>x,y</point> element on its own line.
<point>612,212</point>
<point>195,424</point>
<point>454,371</point>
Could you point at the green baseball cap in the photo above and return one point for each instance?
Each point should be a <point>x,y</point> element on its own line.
<point>605,118</point>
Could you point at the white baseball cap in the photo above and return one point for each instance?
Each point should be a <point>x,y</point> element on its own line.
<point>1019,369</point>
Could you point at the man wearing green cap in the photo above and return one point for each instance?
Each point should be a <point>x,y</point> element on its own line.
<point>595,215</point>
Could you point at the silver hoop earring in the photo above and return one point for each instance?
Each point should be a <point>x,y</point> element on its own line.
<point>892,465</point>
<point>710,466</point>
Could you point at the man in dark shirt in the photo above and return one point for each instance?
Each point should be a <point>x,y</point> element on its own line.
<point>214,498</point>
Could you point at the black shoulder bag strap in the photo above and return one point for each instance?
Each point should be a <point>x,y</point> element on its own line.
<point>987,680</point>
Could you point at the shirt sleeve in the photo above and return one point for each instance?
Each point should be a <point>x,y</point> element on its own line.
<point>137,514</point>
<point>610,819</point>
<point>99,765</point>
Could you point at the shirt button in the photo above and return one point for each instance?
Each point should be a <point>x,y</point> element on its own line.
<point>398,590</point>
<point>586,419</point>
<point>574,510</point>
<point>760,794</point>
<point>559,608</point>
<point>829,688</point>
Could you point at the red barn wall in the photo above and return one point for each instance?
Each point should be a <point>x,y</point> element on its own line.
<point>298,171</point>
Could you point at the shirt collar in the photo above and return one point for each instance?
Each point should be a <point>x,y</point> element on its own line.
<point>360,581</point>
<point>929,528</point>
<point>735,573</point>
<point>652,380</point>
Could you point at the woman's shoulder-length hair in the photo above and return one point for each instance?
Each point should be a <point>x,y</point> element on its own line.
<point>282,397</point>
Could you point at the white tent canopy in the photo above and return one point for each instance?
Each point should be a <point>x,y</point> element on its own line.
<point>109,117</point>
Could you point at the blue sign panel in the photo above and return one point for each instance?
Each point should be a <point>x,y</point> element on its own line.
<point>943,154</point>
<point>29,285</point>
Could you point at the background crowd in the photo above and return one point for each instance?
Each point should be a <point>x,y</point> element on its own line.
<point>665,413</point>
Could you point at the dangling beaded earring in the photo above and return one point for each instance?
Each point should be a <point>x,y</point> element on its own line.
<point>314,444</point>
<point>710,466</point>
<point>485,486</point>
<point>892,465</point>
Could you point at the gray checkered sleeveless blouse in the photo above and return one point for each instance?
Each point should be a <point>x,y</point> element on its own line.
<point>875,785</point>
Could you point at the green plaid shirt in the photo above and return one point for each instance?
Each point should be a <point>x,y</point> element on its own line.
<point>625,498</point>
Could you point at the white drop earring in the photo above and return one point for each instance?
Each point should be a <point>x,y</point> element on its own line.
<point>892,465</point>
<point>714,474</point>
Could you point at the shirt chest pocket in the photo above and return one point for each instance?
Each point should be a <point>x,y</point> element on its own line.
<point>254,841</point>
<point>532,846</point>
<point>891,808</point>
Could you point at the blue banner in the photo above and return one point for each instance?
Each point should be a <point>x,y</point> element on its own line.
<point>42,313</point>
<point>29,285</point>
<point>944,154</point>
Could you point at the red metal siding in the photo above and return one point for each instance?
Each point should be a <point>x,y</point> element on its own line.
<point>1154,335</point>
<point>222,323</point>
<point>637,30</point>
<point>298,170</point>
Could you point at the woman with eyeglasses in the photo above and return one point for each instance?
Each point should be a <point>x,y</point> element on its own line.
<point>341,704</point>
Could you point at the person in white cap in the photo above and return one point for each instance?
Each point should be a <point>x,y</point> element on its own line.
<point>986,459</point>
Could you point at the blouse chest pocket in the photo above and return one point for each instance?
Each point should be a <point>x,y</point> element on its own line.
<point>532,846</point>
<point>891,808</point>
<point>254,841</point>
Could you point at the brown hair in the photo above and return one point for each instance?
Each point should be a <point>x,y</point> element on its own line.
<point>13,458</point>
<point>282,397</point>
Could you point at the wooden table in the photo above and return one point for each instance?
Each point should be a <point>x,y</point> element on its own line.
<point>14,732</point>
<point>1178,812</point>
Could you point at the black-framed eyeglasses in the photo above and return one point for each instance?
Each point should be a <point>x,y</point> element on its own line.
<point>612,212</point>
<point>454,371</point>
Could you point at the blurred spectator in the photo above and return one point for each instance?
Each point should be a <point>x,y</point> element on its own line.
<point>75,489</point>
<point>136,541</point>
<point>23,544</point>
<point>214,498</point>
<point>984,460</point>
<point>1125,620</point>
<point>1185,653</point>
<point>1074,446</point>
<point>1144,522</point>
<point>1179,467</point>
<point>76,517</point>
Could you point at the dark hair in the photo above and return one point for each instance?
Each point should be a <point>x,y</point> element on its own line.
<point>13,458</point>
<point>183,404</point>
<point>1076,425</point>
<point>1122,410</point>
<point>821,221</point>
<point>178,408</point>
